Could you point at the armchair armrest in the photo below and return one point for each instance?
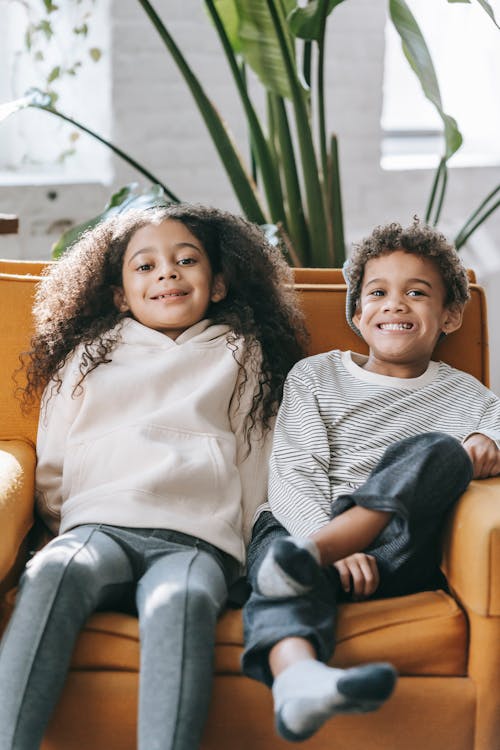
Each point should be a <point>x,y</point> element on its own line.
<point>17,488</point>
<point>471,558</point>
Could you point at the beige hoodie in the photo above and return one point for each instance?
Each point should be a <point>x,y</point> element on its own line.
<point>154,439</point>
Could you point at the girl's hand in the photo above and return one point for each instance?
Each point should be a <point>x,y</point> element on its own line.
<point>484,455</point>
<point>358,574</point>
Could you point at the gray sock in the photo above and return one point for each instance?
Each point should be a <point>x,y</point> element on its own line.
<point>309,692</point>
<point>290,568</point>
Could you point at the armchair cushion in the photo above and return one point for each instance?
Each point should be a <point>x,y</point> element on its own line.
<point>471,557</point>
<point>422,634</point>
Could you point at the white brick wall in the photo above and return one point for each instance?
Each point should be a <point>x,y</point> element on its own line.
<point>155,119</point>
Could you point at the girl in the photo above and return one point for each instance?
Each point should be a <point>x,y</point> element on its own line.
<point>162,341</point>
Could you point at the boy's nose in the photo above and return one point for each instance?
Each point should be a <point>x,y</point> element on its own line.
<point>395,303</point>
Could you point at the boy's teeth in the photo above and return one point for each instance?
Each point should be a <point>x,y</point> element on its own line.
<point>395,326</point>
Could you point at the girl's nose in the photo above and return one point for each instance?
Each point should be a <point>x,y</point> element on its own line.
<point>171,272</point>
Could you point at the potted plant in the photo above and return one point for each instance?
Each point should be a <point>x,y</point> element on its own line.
<point>292,186</point>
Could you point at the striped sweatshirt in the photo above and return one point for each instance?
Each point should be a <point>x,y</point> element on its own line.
<point>337,419</point>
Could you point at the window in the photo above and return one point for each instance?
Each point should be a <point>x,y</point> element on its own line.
<point>65,51</point>
<point>465,47</point>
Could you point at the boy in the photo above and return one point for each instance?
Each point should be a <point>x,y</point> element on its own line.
<point>369,454</point>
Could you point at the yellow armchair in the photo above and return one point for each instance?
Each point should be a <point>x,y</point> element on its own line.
<point>446,647</point>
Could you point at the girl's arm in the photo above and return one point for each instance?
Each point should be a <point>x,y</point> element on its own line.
<point>57,413</point>
<point>252,455</point>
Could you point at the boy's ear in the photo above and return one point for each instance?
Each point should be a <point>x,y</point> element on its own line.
<point>119,299</point>
<point>219,289</point>
<point>453,318</point>
<point>356,314</point>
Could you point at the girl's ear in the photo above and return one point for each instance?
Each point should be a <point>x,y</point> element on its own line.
<point>219,289</point>
<point>119,299</point>
<point>452,318</point>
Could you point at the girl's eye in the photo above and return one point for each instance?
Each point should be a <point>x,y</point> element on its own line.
<point>145,267</point>
<point>377,293</point>
<point>186,261</point>
<point>415,293</point>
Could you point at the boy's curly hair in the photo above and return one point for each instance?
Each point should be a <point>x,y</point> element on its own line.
<point>74,303</point>
<point>418,239</point>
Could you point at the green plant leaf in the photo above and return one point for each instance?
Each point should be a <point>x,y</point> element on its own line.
<point>417,54</point>
<point>54,74</point>
<point>335,201</point>
<point>124,199</point>
<point>487,207</point>
<point>489,10</point>
<point>484,4</point>
<point>243,184</point>
<point>83,29</point>
<point>281,138</point>
<point>50,6</point>
<point>43,100</point>
<point>260,148</point>
<point>260,46</point>
<point>228,13</point>
<point>306,22</point>
<point>45,27</point>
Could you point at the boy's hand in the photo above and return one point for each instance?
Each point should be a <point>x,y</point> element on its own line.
<point>358,574</point>
<point>484,455</point>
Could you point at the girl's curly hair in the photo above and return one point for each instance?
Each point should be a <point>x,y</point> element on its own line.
<point>74,303</point>
<point>418,239</point>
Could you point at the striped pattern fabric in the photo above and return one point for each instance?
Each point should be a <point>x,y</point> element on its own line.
<point>336,420</point>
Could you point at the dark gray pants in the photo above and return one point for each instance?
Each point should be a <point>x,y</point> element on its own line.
<point>418,480</point>
<point>179,586</point>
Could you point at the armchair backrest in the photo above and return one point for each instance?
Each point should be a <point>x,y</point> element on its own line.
<point>323,304</point>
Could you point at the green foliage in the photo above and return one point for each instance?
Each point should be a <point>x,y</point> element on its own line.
<point>126,198</point>
<point>292,186</point>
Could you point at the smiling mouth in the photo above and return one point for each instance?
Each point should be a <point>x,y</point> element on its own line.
<point>170,295</point>
<point>395,326</point>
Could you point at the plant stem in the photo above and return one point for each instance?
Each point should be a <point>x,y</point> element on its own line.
<point>471,218</point>
<point>118,151</point>
<point>432,196</point>
<point>241,181</point>
<point>260,147</point>
<point>316,209</point>
<point>442,191</point>
<point>327,185</point>
<point>336,204</point>
<point>299,234</point>
<point>459,241</point>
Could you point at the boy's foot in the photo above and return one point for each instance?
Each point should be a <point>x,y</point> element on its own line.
<point>309,692</point>
<point>289,568</point>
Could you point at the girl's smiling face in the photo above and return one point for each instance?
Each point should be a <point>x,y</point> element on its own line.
<point>167,280</point>
<point>401,313</point>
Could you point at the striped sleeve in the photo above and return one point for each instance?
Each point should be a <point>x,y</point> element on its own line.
<point>299,485</point>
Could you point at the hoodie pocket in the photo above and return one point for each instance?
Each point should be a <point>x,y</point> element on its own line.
<point>153,459</point>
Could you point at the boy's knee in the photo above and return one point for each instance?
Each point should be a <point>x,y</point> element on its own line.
<point>449,449</point>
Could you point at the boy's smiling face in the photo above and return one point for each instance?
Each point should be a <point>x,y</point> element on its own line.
<point>401,313</point>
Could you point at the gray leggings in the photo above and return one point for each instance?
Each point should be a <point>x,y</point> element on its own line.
<point>180,585</point>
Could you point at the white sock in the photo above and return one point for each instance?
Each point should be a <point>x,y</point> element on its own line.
<point>275,577</point>
<point>309,692</point>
